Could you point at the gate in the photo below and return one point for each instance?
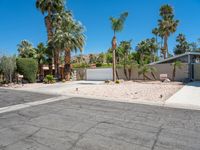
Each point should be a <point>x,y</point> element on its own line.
<point>196,71</point>
<point>99,74</point>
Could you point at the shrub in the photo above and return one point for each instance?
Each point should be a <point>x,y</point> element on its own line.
<point>117,82</point>
<point>98,64</point>
<point>49,79</point>
<point>63,80</point>
<point>7,67</point>
<point>28,68</point>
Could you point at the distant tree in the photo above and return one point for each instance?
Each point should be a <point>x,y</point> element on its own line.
<point>194,47</point>
<point>109,58</point>
<point>146,50</point>
<point>40,55</point>
<point>92,59</point>
<point>101,58</point>
<point>117,26</point>
<point>8,66</point>
<point>26,49</point>
<point>182,46</point>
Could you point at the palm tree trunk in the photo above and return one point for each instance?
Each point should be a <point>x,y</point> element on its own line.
<point>146,77</point>
<point>174,73</point>
<point>165,50</point>
<point>153,75</point>
<point>114,46</point>
<point>67,69</point>
<point>56,64</point>
<point>129,73</point>
<point>50,35</point>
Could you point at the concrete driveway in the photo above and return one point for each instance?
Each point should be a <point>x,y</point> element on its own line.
<point>88,124</point>
<point>188,97</point>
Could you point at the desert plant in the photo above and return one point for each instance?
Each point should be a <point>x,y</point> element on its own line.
<point>152,71</point>
<point>144,70</point>
<point>49,79</point>
<point>7,67</point>
<point>175,65</point>
<point>117,82</point>
<point>28,67</point>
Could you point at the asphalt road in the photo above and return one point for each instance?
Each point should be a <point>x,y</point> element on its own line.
<point>12,97</point>
<point>85,124</point>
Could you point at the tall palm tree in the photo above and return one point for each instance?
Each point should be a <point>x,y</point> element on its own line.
<point>26,50</point>
<point>69,37</point>
<point>117,26</point>
<point>40,56</point>
<point>50,7</point>
<point>167,26</point>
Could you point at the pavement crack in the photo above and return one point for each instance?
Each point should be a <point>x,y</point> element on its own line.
<point>24,138</point>
<point>157,137</point>
<point>81,135</point>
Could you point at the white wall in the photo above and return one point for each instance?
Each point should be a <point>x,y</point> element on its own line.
<point>99,74</point>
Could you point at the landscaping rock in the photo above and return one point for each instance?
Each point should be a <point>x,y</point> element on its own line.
<point>167,80</point>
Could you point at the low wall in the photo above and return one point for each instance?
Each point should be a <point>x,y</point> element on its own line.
<point>181,74</point>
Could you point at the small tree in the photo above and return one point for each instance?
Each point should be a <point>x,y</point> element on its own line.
<point>8,66</point>
<point>144,70</point>
<point>176,64</point>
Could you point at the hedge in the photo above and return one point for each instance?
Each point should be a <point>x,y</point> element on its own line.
<point>27,67</point>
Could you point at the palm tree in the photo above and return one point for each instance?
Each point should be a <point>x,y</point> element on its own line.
<point>152,71</point>
<point>175,65</point>
<point>50,7</point>
<point>69,37</point>
<point>117,26</point>
<point>155,31</point>
<point>26,50</point>
<point>40,56</point>
<point>123,52</point>
<point>167,26</point>
<point>182,46</point>
<point>144,70</point>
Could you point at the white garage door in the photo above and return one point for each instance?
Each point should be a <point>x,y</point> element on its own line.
<point>99,74</point>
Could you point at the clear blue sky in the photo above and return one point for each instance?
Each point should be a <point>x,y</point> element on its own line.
<point>21,20</point>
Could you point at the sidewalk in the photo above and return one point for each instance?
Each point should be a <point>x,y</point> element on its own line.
<point>188,97</point>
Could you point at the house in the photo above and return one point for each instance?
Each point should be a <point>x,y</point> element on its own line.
<point>190,68</point>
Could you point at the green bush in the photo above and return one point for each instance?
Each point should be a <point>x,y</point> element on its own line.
<point>117,82</point>
<point>98,64</point>
<point>49,79</point>
<point>28,68</point>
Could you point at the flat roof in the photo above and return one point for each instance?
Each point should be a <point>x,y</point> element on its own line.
<point>174,57</point>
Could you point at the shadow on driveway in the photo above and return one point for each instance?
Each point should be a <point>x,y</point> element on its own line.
<point>13,97</point>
